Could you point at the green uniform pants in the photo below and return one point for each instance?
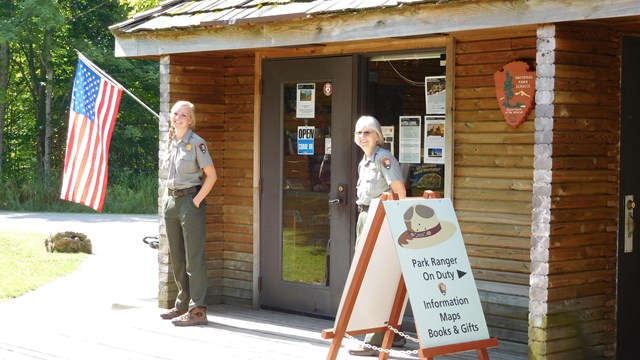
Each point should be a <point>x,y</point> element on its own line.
<point>185,226</point>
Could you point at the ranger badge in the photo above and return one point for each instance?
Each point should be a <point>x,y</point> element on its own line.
<point>386,162</point>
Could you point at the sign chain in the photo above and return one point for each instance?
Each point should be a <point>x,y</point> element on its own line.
<point>406,336</point>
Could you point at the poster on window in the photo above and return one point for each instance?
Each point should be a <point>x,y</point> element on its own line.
<point>424,177</point>
<point>306,101</point>
<point>434,139</point>
<point>388,135</point>
<point>435,90</point>
<point>410,136</point>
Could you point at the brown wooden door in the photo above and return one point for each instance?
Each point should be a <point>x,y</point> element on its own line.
<point>307,210</point>
<point>628,314</point>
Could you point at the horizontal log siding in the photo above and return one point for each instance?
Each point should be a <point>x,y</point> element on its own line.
<point>237,210</point>
<point>493,172</point>
<point>221,87</point>
<point>579,257</point>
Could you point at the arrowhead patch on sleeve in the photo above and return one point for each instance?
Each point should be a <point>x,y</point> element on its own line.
<point>386,162</point>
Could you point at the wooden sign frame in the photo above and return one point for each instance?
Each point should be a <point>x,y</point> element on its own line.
<point>399,303</point>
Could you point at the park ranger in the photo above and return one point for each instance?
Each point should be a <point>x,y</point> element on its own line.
<point>378,172</point>
<point>190,177</point>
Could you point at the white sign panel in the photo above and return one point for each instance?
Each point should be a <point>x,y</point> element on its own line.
<point>410,136</point>
<point>436,270</point>
<point>306,101</point>
<point>435,94</point>
<point>434,140</point>
<point>388,135</point>
<point>374,301</point>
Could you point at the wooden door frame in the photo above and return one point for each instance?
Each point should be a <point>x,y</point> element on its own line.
<point>343,71</point>
<point>368,46</point>
<point>627,263</point>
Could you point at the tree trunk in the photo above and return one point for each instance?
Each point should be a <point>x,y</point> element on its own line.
<point>4,82</point>
<point>49,98</point>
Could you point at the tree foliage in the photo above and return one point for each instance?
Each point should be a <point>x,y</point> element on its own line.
<point>40,39</point>
<point>137,6</point>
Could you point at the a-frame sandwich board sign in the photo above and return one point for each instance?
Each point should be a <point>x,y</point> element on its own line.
<point>374,295</point>
<point>434,268</point>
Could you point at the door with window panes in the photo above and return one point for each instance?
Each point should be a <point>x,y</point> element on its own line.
<point>306,209</point>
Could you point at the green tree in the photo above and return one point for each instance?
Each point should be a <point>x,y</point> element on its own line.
<point>6,13</point>
<point>137,6</point>
<point>40,22</point>
<point>508,88</point>
<point>40,38</point>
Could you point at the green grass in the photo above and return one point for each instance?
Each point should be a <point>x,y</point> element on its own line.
<point>126,194</point>
<point>303,260</point>
<point>26,265</point>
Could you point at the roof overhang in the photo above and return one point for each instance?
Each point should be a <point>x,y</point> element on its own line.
<point>410,20</point>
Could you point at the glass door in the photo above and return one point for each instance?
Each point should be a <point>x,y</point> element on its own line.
<point>306,210</point>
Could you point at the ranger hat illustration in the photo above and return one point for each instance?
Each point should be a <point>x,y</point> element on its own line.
<point>424,229</point>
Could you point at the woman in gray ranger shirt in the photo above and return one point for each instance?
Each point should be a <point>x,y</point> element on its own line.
<point>190,177</point>
<point>378,172</point>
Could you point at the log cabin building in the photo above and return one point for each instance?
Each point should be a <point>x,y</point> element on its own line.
<point>545,205</point>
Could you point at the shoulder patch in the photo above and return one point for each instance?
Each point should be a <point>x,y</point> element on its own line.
<point>203,147</point>
<point>386,162</point>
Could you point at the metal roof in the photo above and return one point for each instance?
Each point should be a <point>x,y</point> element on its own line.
<point>181,14</point>
<point>180,26</point>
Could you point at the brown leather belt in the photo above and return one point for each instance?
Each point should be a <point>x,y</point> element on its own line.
<point>183,192</point>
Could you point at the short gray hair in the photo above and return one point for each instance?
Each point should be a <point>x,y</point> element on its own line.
<point>371,123</point>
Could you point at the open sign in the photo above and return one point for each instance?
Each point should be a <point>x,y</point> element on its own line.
<point>306,135</point>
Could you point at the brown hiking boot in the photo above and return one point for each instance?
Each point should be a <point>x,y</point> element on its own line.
<point>173,313</point>
<point>195,316</point>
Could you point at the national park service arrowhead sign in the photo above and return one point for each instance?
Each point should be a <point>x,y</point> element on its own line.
<point>515,91</point>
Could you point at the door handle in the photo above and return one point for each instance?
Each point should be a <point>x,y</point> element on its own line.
<point>341,196</point>
<point>629,223</point>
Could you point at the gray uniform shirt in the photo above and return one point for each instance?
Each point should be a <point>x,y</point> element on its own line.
<point>185,161</point>
<point>375,174</point>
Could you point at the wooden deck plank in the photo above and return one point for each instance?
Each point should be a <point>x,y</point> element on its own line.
<point>137,332</point>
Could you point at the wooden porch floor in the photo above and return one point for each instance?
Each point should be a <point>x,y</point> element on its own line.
<point>137,332</point>
<point>133,332</point>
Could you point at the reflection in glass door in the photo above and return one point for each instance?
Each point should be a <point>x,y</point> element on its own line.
<point>306,152</point>
<point>306,186</point>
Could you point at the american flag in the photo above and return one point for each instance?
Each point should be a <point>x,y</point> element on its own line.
<point>92,117</point>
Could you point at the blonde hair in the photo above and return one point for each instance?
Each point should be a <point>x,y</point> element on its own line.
<point>192,115</point>
<point>371,123</point>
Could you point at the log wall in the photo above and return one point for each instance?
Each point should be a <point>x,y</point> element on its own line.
<point>493,172</point>
<point>238,161</point>
<point>574,254</point>
<point>536,204</point>
<point>221,87</point>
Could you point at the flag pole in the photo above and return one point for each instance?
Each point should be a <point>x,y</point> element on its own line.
<point>96,68</point>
